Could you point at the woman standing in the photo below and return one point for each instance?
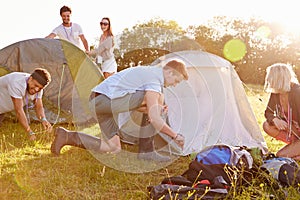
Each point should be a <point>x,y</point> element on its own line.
<point>105,49</point>
<point>283,110</point>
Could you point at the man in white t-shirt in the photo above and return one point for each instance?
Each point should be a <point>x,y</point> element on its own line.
<point>17,89</point>
<point>68,30</point>
<point>135,88</point>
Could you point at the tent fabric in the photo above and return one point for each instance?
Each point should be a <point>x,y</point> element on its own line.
<point>73,74</point>
<point>210,107</point>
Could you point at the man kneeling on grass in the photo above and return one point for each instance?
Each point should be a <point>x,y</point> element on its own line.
<point>136,88</point>
<point>17,89</point>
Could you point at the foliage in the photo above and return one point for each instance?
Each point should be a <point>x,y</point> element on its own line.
<point>266,43</point>
<point>146,42</point>
<point>145,57</point>
<point>153,34</point>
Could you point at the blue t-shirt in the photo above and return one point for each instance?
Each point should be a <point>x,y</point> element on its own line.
<point>130,80</point>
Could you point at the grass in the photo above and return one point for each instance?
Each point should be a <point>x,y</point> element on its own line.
<point>29,171</point>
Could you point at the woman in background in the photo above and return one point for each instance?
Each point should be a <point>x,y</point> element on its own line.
<point>105,49</point>
<point>283,110</point>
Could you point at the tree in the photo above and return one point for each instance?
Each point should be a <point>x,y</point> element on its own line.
<point>146,42</point>
<point>266,44</point>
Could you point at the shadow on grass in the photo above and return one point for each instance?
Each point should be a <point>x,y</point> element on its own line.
<point>30,171</point>
<point>76,174</point>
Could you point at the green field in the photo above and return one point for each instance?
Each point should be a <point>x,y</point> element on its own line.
<point>29,171</point>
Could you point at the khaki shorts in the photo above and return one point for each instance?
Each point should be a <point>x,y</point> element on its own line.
<point>106,110</point>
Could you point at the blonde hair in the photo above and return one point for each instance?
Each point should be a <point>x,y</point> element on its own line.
<point>178,66</point>
<point>279,78</point>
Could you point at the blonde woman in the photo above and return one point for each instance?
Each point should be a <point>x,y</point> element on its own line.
<point>283,110</point>
<point>105,49</point>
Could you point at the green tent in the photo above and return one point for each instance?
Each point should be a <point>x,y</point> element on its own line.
<point>73,73</point>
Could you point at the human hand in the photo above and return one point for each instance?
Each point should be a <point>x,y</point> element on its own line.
<point>179,140</point>
<point>88,52</point>
<point>32,137</point>
<point>164,109</point>
<point>280,124</point>
<point>47,126</point>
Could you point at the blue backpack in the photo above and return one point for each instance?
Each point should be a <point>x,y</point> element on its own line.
<point>215,166</point>
<point>223,160</point>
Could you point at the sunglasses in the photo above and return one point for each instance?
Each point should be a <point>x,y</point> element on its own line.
<point>104,23</point>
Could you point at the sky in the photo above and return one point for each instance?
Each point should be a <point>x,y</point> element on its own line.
<point>26,19</point>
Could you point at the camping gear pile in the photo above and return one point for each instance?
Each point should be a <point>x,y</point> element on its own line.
<point>219,169</point>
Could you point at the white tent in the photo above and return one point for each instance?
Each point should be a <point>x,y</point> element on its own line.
<point>210,107</point>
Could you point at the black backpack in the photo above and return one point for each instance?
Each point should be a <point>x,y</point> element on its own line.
<point>285,170</point>
<point>227,161</point>
<point>215,167</point>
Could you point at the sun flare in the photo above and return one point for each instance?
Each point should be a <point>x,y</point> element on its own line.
<point>284,14</point>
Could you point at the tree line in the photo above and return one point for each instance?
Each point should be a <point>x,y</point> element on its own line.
<point>266,43</point>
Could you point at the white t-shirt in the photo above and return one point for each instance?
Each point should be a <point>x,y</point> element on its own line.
<point>14,85</point>
<point>130,80</point>
<point>71,33</point>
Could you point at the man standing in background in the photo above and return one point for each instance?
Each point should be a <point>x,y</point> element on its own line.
<point>68,30</point>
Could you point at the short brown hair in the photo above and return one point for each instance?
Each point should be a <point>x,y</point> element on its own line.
<point>178,66</point>
<point>65,9</point>
<point>42,76</point>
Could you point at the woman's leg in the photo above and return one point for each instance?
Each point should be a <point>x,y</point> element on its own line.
<point>291,150</point>
<point>282,135</point>
<point>270,130</point>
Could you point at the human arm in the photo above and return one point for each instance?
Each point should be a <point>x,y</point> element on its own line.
<point>154,109</point>
<point>142,109</point>
<point>103,46</point>
<point>51,35</point>
<point>40,113</point>
<point>18,106</point>
<point>84,42</point>
<point>270,112</point>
